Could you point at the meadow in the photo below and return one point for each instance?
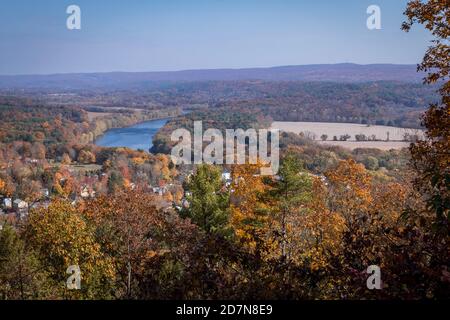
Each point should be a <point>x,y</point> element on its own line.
<point>351,135</point>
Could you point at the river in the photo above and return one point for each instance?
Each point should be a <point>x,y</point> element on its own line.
<point>136,137</point>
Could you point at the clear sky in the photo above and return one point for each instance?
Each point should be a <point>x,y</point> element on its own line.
<point>156,35</point>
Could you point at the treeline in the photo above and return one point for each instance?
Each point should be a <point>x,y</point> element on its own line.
<point>390,103</point>
<point>383,102</point>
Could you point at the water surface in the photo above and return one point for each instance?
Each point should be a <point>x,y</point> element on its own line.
<point>136,137</point>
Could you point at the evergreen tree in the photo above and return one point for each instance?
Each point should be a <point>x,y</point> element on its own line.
<point>208,201</point>
<point>290,193</point>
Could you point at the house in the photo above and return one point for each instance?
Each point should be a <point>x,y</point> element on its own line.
<point>185,203</point>
<point>7,203</point>
<point>45,193</point>
<point>33,161</point>
<point>226,176</point>
<point>19,204</point>
<point>87,192</point>
<point>159,190</point>
<point>21,208</point>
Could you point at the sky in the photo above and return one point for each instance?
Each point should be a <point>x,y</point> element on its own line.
<point>167,35</point>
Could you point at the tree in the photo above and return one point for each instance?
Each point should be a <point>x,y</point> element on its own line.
<point>249,223</point>
<point>430,157</point>
<point>62,238</point>
<point>324,137</point>
<point>349,190</point>
<point>2,186</point>
<point>115,182</point>
<point>66,159</point>
<point>208,201</point>
<point>21,274</point>
<point>86,157</point>
<point>371,163</point>
<point>150,248</point>
<point>287,199</point>
<point>38,150</point>
<point>125,226</point>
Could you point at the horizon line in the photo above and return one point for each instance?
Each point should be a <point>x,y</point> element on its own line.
<point>207,69</point>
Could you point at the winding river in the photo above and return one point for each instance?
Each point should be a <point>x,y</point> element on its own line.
<point>138,136</point>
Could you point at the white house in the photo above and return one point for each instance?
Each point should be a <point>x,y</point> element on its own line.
<point>159,190</point>
<point>19,204</point>
<point>226,176</point>
<point>7,203</point>
<point>87,193</point>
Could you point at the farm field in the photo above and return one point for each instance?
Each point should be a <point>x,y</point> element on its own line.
<point>315,130</point>
<point>382,145</point>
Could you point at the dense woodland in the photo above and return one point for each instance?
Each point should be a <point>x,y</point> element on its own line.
<point>140,227</point>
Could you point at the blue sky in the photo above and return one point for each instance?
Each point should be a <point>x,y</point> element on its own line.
<point>154,35</point>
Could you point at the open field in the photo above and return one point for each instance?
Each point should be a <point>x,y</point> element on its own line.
<point>382,145</point>
<point>80,168</point>
<point>315,130</point>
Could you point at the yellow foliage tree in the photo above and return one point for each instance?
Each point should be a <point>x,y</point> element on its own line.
<point>62,238</point>
<point>246,218</point>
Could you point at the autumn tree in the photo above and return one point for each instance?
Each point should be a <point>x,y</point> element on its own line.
<point>431,156</point>
<point>2,186</point>
<point>86,157</point>
<point>62,238</point>
<point>66,159</point>
<point>133,233</point>
<point>249,221</point>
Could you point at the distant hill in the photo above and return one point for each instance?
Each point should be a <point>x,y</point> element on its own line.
<point>345,72</point>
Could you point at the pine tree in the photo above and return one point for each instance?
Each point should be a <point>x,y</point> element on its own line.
<point>208,201</point>
<point>289,194</point>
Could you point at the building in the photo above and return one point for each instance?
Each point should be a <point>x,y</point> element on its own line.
<point>19,204</point>
<point>45,193</point>
<point>7,203</point>
<point>87,192</point>
<point>226,177</point>
<point>21,208</point>
<point>159,190</point>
